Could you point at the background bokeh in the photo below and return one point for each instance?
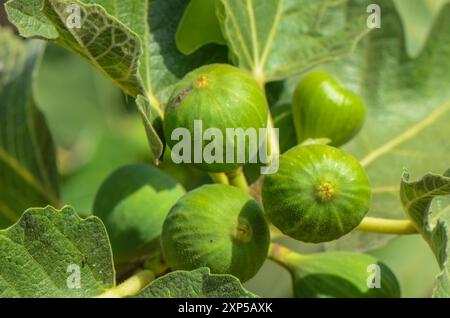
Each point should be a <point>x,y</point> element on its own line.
<point>97,129</point>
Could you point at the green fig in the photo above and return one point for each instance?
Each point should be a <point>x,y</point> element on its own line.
<point>323,108</point>
<point>215,98</point>
<point>319,193</point>
<point>216,226</point>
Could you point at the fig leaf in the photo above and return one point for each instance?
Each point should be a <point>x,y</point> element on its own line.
<point>51,253</point>
<point>276,39</point>
<point>417,197</point>
<point>199,26</point>
<point>199,283</point>
<point>28,175</point>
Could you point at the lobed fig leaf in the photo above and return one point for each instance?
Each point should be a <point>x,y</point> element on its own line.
<point>319,193</point>
<point>133,203</point>
<point>216,226</point>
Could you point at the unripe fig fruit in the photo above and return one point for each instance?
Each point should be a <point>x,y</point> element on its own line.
<point>133,203</point>
<point>216,226</point>
<point>221,96</point>
<point>323,108</point>
<point>337,274</point>
<point>319,193</point>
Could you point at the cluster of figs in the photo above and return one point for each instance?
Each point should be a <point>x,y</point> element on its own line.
<point>318,194</point>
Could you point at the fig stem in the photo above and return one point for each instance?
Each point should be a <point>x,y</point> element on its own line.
<point>283,256</point>
<point>274,232</point>
<point>237,179</point>
<point>219,177</point>
<point>131,286</point>
<point>156,264</point>
<point>386,226</point>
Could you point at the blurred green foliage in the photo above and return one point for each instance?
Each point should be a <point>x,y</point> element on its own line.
<point>417,17</point>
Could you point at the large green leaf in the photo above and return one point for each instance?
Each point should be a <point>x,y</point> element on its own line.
<point>131,42</point>
<point>102,39</point>
<point>275,39</point>
<point>51,253</point>
<point>28,174</point>
<point>408,104</point>
<point>199,283</point>
<point>29,19</point>
<point>417,17</point>
<point>417,197</point>
<point>199,26</point>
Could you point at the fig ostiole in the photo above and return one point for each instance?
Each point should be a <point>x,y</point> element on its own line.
<point>323,108</point>
<point>216,226</point>
<point>212,104</point>
<point>336,274</point>
<point>319,193</point>
<point>133,203</point>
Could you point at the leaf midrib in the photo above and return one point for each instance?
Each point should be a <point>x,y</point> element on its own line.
<point>405,135</point>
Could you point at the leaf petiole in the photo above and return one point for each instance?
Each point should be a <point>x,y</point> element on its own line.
<point>282,255</point>
<point>131,286</point>
<point>219,177</point>
<point>386,226</point>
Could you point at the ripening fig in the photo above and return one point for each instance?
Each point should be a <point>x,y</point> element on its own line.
<point>337,274</point>
<point>213,100</point>
<point>216,226</point>
<point>323,108</point>
<point>133,203</point>
<point>319,193</point>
